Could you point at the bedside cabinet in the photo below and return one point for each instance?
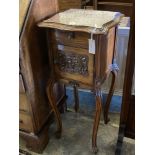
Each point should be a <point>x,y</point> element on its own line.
<point>81,53</point>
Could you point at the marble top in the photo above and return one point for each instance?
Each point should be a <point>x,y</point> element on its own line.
<point>82,17</point>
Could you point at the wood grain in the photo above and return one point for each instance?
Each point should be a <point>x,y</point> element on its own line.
<point>25,122</point>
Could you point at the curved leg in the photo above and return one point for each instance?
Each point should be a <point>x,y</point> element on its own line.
<point>110,94</point>
<point>52,102</point>
<point>97,120</point>
<point>76,97</point>
<point>65,100</point>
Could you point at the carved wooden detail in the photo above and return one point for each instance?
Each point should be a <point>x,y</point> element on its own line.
<point>73,63</point>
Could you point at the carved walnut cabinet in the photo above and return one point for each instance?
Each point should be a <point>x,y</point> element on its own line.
<point>82,55</point>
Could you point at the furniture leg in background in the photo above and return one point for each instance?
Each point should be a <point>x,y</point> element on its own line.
<point>109,97</point>
<point>97,117</point>
<point>76,95</point>
<point>52,102</point>
<point>127,115</point>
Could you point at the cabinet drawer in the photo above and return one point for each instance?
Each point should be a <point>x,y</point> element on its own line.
<point>25,122</point>
<point>74,39</point>
<point>23,102</point>
<point>74,64</point>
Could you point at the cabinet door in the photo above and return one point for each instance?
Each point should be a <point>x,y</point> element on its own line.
<point>74,64</point>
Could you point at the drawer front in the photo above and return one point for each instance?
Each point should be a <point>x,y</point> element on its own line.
<point>25,122</point>
<point>73,39</point>
<point>23,102</point>
<point>74,64</point>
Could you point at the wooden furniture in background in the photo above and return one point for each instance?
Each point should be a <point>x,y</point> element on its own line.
<point>72,63</point>
<point>127,117</point>
<point>35,114</point>
<point>123,6</point>
<point>63,5</point>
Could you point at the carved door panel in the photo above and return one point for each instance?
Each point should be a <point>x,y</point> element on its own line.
<point>74,64</point>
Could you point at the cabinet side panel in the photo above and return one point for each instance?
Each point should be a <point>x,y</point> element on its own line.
<point>34,58</point>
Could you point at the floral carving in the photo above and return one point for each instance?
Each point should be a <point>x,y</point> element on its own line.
<point>73,63</point>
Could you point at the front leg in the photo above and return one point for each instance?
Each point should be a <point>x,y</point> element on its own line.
<point>52,101</point>
<point>97,120</point>
<point>109,97</point>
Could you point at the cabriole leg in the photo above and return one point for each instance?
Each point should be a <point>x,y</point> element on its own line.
<point>109,97</point>
<point>76,97</point>
<point>52,102</point>
<point>97,120</point>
